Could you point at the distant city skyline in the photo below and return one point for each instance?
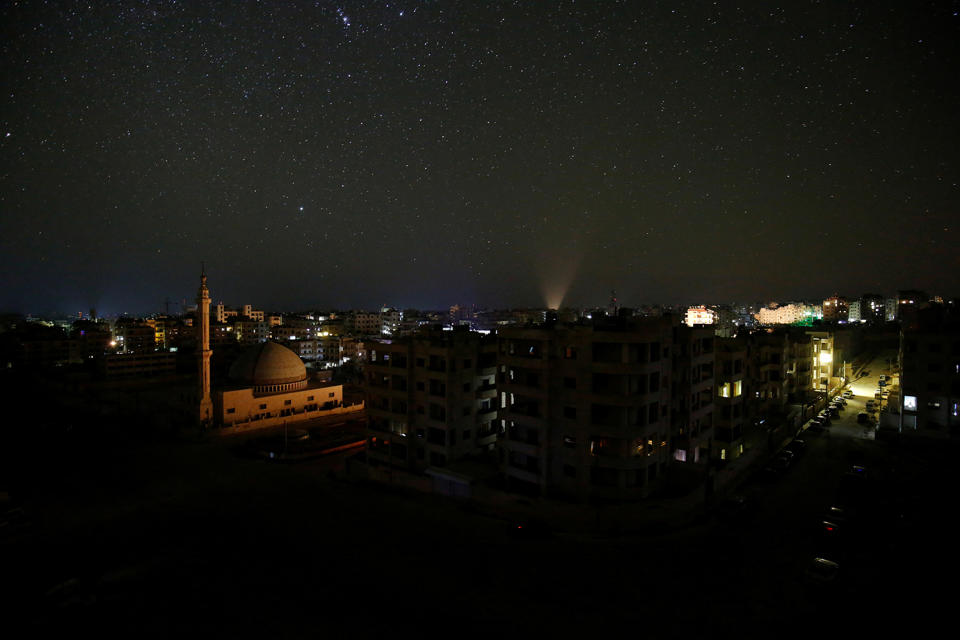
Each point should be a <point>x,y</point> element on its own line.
<point>503,154</point>
<point>178,306</point>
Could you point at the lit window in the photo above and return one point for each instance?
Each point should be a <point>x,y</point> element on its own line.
<point>909,403</point>
<point>724,390</point>
<point>723,454</point>
<point>737,388</point>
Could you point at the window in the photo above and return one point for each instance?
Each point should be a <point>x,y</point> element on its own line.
<point>330,395</point>
<point>570,412</point>
<point>287,403</point>
<point>570,353</point>
<point>263,406</point>
<point>909,403</point>
<point>570,383</point>
<point>569,471</point>
<point>309,398</point>
<point>231,410</point>
<point>466,386</point>
<point>467,364</point>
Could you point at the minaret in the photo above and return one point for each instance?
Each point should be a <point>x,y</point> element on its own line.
<point>203,349</point>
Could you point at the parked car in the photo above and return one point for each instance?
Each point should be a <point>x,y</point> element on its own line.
<point>863,417</point>
<point>848,393</point>
<point>777,465</point>
<point>822,570</point>
<point>796,447</point>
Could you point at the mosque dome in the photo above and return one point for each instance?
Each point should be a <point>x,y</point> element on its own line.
<point>269,368</point>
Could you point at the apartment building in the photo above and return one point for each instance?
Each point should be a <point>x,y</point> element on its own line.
<point>732,385</point>
<point>929,361</point>
<point>430,398</point>
<point>585,409</point>
<point>691,408</point>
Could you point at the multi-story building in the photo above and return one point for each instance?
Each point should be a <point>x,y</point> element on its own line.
<point>390,321</point>
<point>929,361</point>
<point>853,311</point>
<point>691,408</point>
<point>768,372</point>
<point>134,336</point>
<point>364,323</point>
<point>430,399</point>
<point>835,309</point>
<point>909,303</point>
<point>250,331</point>
<point>700,315</point>
<point>730,414</point>
<point>890,309</point>
<point>872,307</point>
<point>252,314</point>
<point>793,313</point>
<point>305,348</point>
<point>822,361</point>
<point>586,408</point>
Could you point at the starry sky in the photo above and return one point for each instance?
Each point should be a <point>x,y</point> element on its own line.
<point>423,154</point>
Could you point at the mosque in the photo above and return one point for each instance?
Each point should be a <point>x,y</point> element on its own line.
<point>267,385</point>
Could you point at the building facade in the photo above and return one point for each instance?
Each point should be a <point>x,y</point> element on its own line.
<point>430,399</point>
<point>586,408</point>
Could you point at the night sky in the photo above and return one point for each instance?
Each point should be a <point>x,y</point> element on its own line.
<point>324,154</point>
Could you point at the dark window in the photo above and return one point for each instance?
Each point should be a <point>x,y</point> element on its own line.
<point>570,383</point>
<point>263,406</point>
<point>570,471</point>
<point>570,412</point>
<point>466,386</point>
<point>287,402</point>
<point>231,410</point>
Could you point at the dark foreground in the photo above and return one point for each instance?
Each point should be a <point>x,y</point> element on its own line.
<point>160,533</point>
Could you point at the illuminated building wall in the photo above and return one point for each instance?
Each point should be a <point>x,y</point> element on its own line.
<point>700,315</point>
